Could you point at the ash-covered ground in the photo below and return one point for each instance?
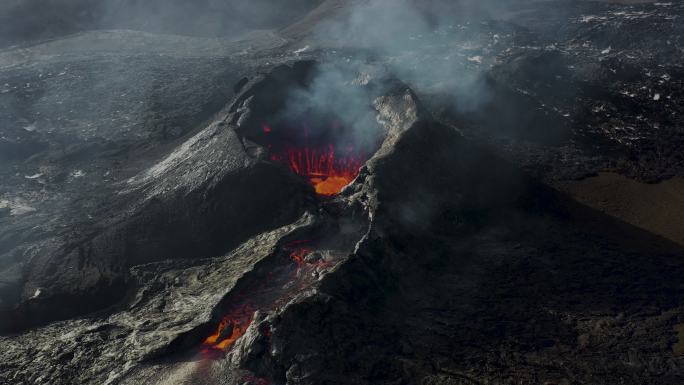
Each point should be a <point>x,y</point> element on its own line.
<point>512,215</point>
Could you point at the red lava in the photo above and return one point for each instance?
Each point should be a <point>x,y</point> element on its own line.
<point>327,168</point>
<point>259,296</point>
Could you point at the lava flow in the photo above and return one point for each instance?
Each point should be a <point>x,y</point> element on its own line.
<point>298,256</point>
<point>231,327</point>
<point>327,171</point>
<point>264,293</point>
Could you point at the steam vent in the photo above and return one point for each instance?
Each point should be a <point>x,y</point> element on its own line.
<point>329,192</point>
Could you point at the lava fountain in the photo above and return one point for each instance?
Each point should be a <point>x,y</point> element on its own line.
<point>328,167</point>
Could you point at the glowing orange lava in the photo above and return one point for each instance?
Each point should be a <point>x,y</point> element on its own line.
<point>275,289</point>
<point>229,330</point>
<point>327,171</point>
<point>298,255</point>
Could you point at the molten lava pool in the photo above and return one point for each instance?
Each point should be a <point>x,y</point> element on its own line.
<point>328,158</point>
<point>326,169</point>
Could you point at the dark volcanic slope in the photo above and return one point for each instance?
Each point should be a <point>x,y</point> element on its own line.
<point>583,86</point>
<point>478,286</point>
<point>81,118</point>
<point>136,214</point>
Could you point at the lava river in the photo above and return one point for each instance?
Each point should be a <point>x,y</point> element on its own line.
<point>296,269</point>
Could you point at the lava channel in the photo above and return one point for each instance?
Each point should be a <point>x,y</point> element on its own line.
<point>264,293</point>
<point>231,327</point>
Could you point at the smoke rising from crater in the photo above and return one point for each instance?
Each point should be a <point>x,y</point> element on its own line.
<point>430,45</point>
<point>338,93</point>
<point>434,46</point>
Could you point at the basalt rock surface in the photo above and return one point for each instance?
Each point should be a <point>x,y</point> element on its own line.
<point>135,212</point>
<point>574,92</point>
<point>97,193</point>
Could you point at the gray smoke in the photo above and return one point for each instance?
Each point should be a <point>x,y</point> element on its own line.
<point>434,46</point>
<point>339,93</point>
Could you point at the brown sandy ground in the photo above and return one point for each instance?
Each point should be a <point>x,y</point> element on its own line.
<point>657,208</point>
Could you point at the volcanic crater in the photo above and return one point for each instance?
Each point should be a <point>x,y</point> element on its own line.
<point>313,140</point>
